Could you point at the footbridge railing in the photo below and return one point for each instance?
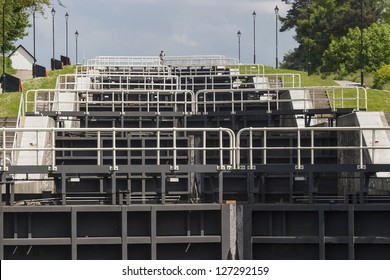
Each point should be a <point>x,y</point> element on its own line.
<point>248,148</point>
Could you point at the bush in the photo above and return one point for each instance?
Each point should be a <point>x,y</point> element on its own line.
<point>382,76</point>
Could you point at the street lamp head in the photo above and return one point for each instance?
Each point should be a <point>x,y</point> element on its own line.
<point>239,33</point>
<point>76,34</point>
<point>66,16</point>
<point>254,14</point>
<point>276,10</point>
<point>53,12</point>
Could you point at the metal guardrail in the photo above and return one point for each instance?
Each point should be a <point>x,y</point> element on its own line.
<point>158,81</point>
<point>201,60</point>
<point>244,150</point>
<point>125,82</point>
<point>223,151</point>
<point>257,145</point>
<point>143,70</point>
<point>203,101</point>
<point>177,61</point>
<point>208,100</point>
<point>179,101</point>
<point>217,81</point>
<point>123,60</point>
<point>252,69</point>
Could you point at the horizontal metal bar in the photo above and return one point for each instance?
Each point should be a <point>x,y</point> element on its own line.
<point>188,239</point>
<point>37,241</point>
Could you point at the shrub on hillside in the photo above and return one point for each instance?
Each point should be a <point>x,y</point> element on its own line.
<point>382,76</point>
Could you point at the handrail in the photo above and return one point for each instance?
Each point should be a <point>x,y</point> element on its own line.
<point>165,81</point>
<point>21,113</point>
<point>252,69</point>
<point>223,150</point>
<point>201,60</point>
<point>204,101</point>
<point>254,152</point>
<point>97,81</point>
<point>180,101</point>
<point>123,69</point>
<point>207,100</point>
<point>246,149</point>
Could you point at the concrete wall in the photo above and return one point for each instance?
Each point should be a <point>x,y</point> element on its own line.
<point>33,183</point>
<point>349,181</point>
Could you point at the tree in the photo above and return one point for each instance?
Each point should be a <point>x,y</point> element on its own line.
<point>386,13</point>
<point>318,22</point>
<point>343,54</point>
<point>17,19</point>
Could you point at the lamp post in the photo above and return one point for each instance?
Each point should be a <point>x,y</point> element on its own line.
<point>239,45</point>
<point>276,33</point>
<point>3,48</point>
<point>76,34</point>
<point>53,13</point>
<point>66,39</point>
<point>361,45</point>
<point>308,3</point>
<point>254,37</point>
<point>34,8</point>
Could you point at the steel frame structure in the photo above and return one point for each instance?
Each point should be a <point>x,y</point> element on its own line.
<point>173,160</point>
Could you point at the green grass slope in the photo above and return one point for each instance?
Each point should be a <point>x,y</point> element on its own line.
<point>10,101</point>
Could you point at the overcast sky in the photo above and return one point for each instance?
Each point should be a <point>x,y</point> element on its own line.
<point>145,27</point>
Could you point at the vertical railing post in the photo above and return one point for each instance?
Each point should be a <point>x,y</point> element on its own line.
<point>114,166</point>
<point>373,146</point>
<point>250,148</point>
<point>265,147</point>
<point>53,149</point>
<point>174,167</point>
<point>220,149</point>
<point>99,151</point>
<point>158,147</point>
<point>361,148</point>
<point>312,147</point>
<point>4,151</point>
<point>299,166</point>
<point>158,101</point>
<point>204,148</point>
<point>357,99</point>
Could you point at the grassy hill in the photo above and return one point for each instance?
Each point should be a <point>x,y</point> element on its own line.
<point>378,100</point>
<point>9,102</point>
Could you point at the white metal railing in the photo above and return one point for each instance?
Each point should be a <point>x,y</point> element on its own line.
<point>214,81</point>
<point>125,82</point>
<point>180,101</point>
<point>337,97</point>
<point>123,70</point>
<point>21,114</point>
<point>252,69</point>
<point>203,101</point>
<point>177,61</point>
<point>254,145</point>
<point>246,149</point>
<point>231,81</point>
<point>123,60</point>
<point>199,60</point>
<point>167,145</point>
<point>237,99</point>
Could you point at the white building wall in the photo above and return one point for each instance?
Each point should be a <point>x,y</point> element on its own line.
<point>21,60</point>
